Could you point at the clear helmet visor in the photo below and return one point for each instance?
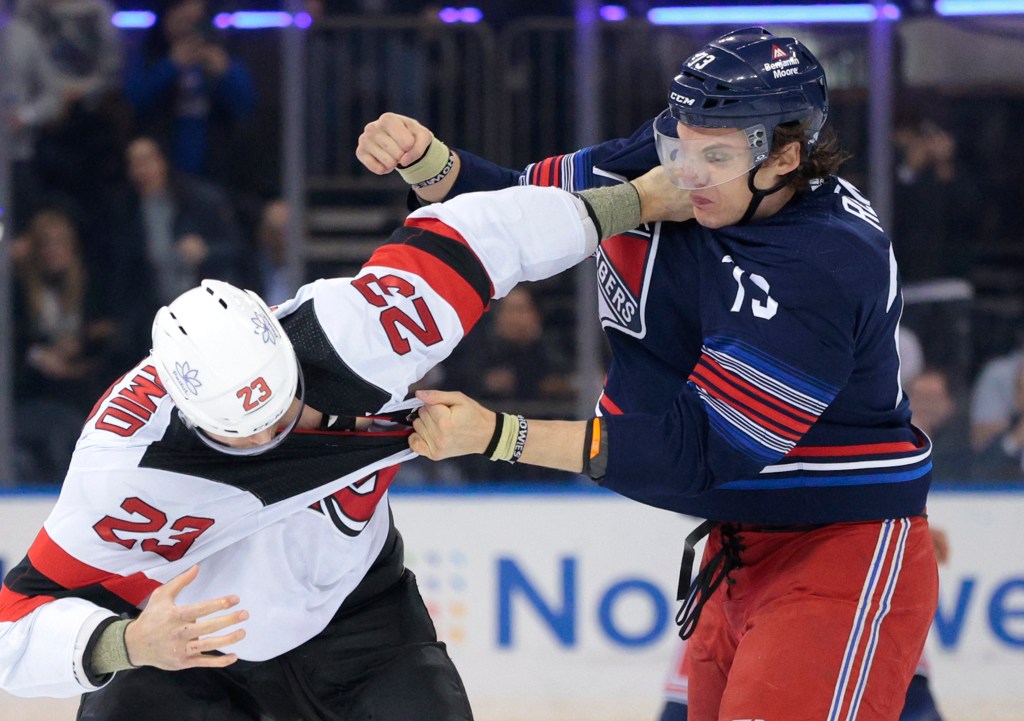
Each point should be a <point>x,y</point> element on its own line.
<point>707,157</point>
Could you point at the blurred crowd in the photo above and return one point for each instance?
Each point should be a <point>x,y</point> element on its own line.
<point>121,199</point>
<point>132,181</point>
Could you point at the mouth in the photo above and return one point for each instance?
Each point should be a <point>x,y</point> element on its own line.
<point>699,201</point>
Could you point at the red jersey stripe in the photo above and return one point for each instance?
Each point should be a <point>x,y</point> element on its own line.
<point>438,274</point>
<point>436,226</point>
<point>861,450</point>
<point>609,405</point>
<point>758,412</point>
<point>134,588</point>
<point>755,418</point>
<point>547,173</point>
<point>750,388</point>
<point>64,569</point>
<point>60,566</point>
<point>14,606</point>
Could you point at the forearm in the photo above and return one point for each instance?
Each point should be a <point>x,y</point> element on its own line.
<point>555,444</point>
<point>451,424</point>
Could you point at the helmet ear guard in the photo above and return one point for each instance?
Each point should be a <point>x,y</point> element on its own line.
<point>226,362</point>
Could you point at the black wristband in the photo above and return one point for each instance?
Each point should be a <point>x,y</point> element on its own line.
<point>499,423</point>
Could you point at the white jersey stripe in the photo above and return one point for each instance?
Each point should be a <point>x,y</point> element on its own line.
<point>768,383</point>
<point>884,605</point>
<point>758,433</point>
<point>847,466</point>
<point>856,631</point>
<point>746,426</point>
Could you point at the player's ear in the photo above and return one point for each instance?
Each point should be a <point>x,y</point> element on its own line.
<point>786,160</point>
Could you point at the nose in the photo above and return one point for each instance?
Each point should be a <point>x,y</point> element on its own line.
<point>692,177</point>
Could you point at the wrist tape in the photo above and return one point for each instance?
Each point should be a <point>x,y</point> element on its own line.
<point>111,653</point>
<point>509,438</point>
<point>614,209</point>
<point>431,168</point>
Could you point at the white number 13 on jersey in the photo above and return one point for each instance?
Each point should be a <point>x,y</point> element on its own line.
<point>761,309</point>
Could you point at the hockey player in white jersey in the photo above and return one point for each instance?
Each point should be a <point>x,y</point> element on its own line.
<point>225,513</point>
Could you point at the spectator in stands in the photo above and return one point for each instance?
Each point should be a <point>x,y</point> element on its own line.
<point>179,230</point>
<point>1002,455</point>
<point>937,413</point>
<point>517,362</point>
<point>994,403</point>
<point>933,223</point>
<point>519,359</point>
<point>188,91</point>
<point>60,345</point>
<point>69,53</point>
<point>81,43</point>
<point>272,235</point>
<point>36,98</point>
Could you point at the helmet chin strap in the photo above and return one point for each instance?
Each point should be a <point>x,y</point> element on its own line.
<point>758,194</point>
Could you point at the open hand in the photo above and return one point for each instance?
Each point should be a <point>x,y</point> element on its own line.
<point>174,637</point>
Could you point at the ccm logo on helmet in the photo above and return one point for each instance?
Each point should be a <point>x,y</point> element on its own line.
<point>681,99</point>
<point>260,389</point>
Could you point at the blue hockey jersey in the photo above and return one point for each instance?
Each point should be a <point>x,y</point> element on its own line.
<point>754,374</point>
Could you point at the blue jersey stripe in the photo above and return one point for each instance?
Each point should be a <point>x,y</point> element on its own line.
<point>826,481</point>
<point>739,439</point>
<point>581,169</point>
<point>814,387</point>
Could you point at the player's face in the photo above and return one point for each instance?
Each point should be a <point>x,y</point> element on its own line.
<point>256,439</point>
<point>724,204</point>
<point>705,157</point>
<point>310,419</point>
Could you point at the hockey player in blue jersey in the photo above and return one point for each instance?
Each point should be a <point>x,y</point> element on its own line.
<point>754,382</point>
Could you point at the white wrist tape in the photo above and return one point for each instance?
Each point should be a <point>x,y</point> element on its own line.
<point>435,164</point>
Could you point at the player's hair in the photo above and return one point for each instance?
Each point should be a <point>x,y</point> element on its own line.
<point>825,158</point>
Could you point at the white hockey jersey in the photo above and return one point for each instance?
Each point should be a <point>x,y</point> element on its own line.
<point>294,531</point>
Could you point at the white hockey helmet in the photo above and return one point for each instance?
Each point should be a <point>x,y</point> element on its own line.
<point>226,362</point>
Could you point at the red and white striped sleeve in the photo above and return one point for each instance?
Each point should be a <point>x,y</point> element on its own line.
<point>421,292</point>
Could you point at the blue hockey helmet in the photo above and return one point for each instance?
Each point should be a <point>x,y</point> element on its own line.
<point>751,78</point>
